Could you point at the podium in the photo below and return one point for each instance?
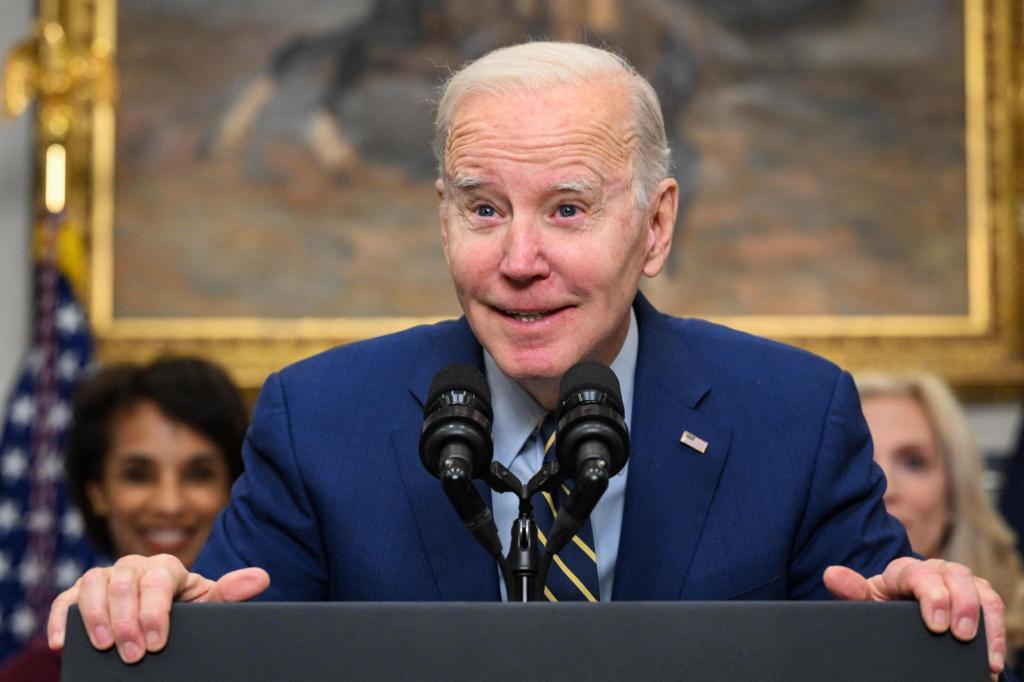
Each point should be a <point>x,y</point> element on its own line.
<point>764,641</point>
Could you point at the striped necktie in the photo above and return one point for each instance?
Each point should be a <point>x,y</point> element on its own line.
<point>573,574</point>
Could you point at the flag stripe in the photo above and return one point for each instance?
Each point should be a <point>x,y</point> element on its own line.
<point>42,547</point>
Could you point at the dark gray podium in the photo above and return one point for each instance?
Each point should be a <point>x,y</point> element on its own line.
<point>764,641</point>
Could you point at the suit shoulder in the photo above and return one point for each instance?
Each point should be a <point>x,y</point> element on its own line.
<point>781,388</point>
<point>381,357</point>
<point>743,361</point>
<point>709,337</point>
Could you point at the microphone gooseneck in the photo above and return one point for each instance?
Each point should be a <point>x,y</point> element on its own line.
<point>456,445</point>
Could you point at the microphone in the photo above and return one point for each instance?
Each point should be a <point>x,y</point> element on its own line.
<point>457,422</point>
<point>593,443</point>
<point>456,445</point>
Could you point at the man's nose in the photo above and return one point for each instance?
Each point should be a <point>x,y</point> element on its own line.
<point>524,256</point>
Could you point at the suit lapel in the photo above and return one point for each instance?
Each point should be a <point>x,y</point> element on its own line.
<point>671,484</point>
<point>462,569</point>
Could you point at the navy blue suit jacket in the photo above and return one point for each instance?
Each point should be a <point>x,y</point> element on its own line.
<point>335,504</point>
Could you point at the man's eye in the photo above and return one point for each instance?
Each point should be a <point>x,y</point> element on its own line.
<point>566,211</point>
<point>485,211</point>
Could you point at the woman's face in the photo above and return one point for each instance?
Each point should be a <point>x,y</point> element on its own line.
<point>907,451</point>
<point>161,487</point>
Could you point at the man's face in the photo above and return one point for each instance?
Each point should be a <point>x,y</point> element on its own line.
<point>540,231</point>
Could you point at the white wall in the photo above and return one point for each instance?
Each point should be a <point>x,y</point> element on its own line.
<point>15,169</point>
<point>996,426</point>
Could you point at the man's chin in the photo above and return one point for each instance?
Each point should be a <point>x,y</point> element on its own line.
<point>531,366</point>
<point>535,372</point>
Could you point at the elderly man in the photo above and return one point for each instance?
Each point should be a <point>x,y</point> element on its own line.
<point>554,201</point>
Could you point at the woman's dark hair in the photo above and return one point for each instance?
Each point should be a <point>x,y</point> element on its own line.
<point>191,391</point>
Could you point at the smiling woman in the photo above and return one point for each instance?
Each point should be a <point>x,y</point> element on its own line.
<point>162,485</point>
<point>152,454</point>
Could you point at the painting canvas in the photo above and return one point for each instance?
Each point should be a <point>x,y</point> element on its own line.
<point>273,159</point>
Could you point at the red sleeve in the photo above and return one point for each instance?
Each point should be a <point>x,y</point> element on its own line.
<point>35,663</point>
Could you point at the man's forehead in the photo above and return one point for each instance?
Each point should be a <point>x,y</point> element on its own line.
<point>544,114</point>
<point>575,139</point>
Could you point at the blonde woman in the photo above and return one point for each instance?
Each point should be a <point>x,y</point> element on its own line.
<point>934,474</point>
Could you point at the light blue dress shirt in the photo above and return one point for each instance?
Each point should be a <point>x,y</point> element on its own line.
<point>516,414</point>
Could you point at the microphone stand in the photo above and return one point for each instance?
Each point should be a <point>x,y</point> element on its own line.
<point>523,559</point>
<point>525,569</point>
<point>520,568</point>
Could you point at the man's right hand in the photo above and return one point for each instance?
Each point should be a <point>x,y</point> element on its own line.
<point>129,603</point>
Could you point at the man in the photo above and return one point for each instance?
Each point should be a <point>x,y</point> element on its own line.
<point>554,201</point>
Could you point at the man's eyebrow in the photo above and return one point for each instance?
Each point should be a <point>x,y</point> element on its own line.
<point>576,186</point>
<point>464,182</point>
<point>470,182</point>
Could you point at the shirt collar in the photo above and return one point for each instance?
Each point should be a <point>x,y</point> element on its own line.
<point>517,413</point>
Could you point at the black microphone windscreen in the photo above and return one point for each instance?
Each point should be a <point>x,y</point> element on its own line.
<point>460,377</point>
<point>590,375</point>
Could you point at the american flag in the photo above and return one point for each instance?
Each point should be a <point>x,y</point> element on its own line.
<point>43,549</point>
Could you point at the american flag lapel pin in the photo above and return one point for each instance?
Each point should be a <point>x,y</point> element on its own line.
<point>695,442</point>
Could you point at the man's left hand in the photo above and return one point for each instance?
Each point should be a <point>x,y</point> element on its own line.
<point>950,597</point>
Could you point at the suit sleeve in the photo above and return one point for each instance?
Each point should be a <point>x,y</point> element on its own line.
<point>845,521</point>
<point>270,521</point>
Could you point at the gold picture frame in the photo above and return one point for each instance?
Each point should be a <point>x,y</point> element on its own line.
<point>981,352</point>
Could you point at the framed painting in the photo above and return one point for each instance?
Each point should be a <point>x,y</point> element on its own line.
<point>261,188</point>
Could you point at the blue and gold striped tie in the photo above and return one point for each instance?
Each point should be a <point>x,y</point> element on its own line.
<point>573,574</point>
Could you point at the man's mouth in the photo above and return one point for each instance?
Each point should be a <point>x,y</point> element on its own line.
<point>531,316</point>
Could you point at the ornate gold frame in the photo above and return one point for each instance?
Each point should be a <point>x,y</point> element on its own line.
<point>981,352</point>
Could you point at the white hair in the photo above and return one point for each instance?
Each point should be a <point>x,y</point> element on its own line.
<point>536,66</point>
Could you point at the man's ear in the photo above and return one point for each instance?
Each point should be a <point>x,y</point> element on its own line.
<point>661,222</point>
<point>97,499</point>
<point>442,214</point>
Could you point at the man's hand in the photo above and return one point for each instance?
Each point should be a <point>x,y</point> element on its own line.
<point>950,597</point>
<point>129,603</point>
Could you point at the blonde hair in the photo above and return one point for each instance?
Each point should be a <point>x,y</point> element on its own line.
<point>979,537</point>
<point>536,66</point>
